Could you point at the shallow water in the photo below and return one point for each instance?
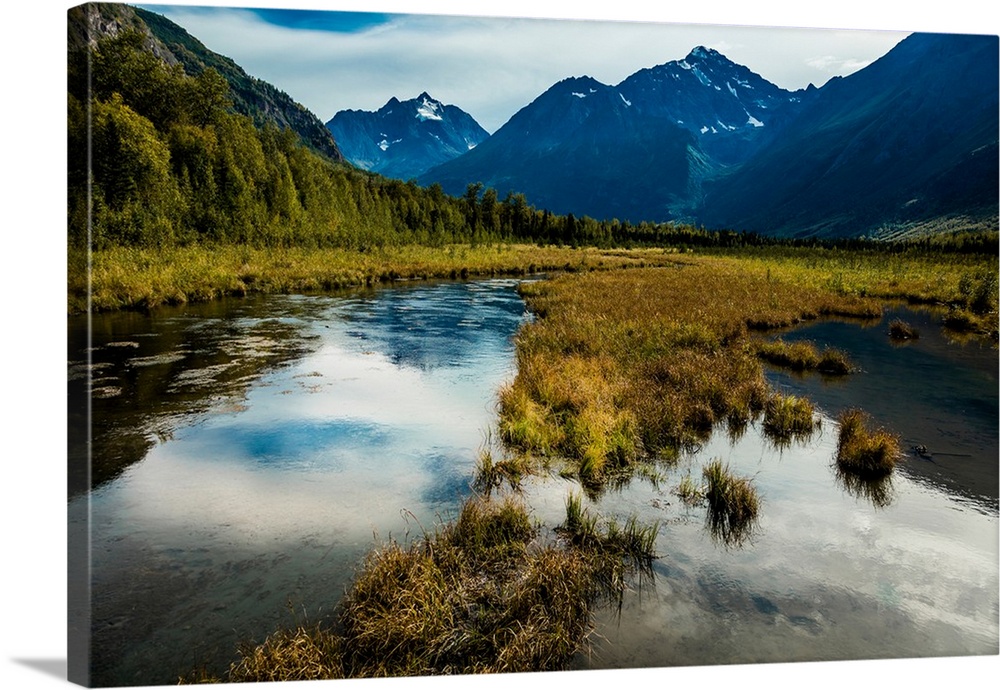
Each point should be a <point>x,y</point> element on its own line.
<point>257,449</point>
<point>277,440</point>
<point>937,393</point>
<point>832,571</point>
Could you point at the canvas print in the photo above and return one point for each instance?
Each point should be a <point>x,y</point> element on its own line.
<point>412,344</point>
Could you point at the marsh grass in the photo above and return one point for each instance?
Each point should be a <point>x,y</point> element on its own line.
<point>863,453</point>
<point>491,474</point>
<point>484,593</point>
<point>901,330</point>
<point>302,653</point>
<point>689,491</point>
<point>788,418</point>
<point>802,355</point>
<point>733,504</point>
<point>145,278</point>
<point>622,367</point>
<point>615,552</point>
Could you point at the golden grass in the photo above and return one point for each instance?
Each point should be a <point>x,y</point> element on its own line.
<point>788,418</point>
<point>483,594</point>
<point>862,452</point>
<point>129,277</point>
<point>625,366</point>
<point>802,355</point>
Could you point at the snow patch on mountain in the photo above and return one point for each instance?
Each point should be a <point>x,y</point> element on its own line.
<point>428,109</point>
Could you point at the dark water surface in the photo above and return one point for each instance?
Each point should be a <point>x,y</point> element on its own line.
<point>938,393</point>
<point>249,453</point>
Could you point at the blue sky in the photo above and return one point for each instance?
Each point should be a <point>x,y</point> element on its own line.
<point>493,65</point>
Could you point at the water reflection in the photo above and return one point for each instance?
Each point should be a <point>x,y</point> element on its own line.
<point>276,441</point>
<point>141,376</point>
<point>875,490</point>
<point>258,449</point>
<point>938,396</point>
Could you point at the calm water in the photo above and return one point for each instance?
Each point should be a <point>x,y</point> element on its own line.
<point>253,451</point>
<point>260,447</point>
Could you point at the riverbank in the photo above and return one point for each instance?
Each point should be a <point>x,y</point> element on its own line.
<point>143,278</point>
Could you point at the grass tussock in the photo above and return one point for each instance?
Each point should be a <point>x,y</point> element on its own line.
<point>483,594</point>
<point>802,356</point>
<point>864,453</point>
<point>901,330</point>
<point>733,504</point>
<point>788,418</point>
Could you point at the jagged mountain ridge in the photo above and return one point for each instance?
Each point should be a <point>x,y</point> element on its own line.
<point>729,108</point>
<point>403,139</point>
<point>909,139</point>
<point>580,135</point>
<point>253,97</point>
<point>638,150</point>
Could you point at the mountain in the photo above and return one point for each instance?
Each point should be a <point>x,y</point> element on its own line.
<point>175,46</point>
<point>906,143</point>
<point>730,109</point>
<point>636,151</point>
<point>570,149</point>
<point>402,139</point>
<point>907,140</point>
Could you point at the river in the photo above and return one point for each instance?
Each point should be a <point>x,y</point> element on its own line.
<point>248,453</point>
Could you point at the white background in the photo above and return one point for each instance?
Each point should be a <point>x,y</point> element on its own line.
<point>33,272</point>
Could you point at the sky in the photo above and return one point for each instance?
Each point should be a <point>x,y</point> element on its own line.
<point>491,66</point>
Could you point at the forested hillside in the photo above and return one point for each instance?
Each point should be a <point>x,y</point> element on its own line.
<point>171,163</point>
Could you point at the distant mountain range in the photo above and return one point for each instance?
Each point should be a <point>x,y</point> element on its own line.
<point>906,141</point>
<point>909,143</point>
<point>404,139</point>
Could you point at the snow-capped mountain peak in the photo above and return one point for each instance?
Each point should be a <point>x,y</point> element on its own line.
<point>428,108</point>
<point>404,138</point>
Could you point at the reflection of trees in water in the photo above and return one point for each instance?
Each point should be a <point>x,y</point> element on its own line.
<point>178,363</point>
<point>429,327</point>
